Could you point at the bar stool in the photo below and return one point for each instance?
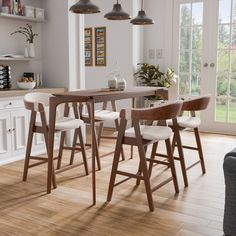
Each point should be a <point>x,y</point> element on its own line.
<point>37,103</point>
<point>191,122</point>
<point>101,116</point>
<point>142,136</point>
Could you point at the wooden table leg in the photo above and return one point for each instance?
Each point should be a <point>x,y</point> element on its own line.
<point>132,147</point>
<point>52,120</point>
<point>92,123</point>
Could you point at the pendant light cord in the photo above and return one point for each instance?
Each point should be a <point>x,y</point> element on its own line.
<point>142,6</point>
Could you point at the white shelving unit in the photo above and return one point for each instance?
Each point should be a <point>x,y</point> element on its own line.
<point>22,18</point>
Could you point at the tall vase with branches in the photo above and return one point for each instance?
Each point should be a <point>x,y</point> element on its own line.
<point>28,33</point>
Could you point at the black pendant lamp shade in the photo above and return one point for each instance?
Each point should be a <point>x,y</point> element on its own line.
<point>85,7</point>
<point>117,13</point>
<point>142,19</point>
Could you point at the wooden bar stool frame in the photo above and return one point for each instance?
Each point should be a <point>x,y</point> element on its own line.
<point>164,112</point>
<point>191,105</point>
<point>43,129</point>
<point>78,111</point>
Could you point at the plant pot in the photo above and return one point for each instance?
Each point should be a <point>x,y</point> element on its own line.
<point>26,54</point>
<point>31,50</point>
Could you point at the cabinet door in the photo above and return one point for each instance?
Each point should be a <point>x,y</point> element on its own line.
<point>5,134</point>
<point>20,126</point>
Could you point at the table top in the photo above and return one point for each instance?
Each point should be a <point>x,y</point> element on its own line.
<point>100,95</point>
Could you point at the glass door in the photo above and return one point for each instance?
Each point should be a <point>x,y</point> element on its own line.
<point>204,46</point>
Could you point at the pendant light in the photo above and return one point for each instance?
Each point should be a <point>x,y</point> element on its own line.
<point>85,7</point>
<point>117,13</point>
<point>142,19</point>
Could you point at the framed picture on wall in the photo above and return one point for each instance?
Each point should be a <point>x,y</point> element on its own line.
<point>100,46</point>
<point>88,46</point>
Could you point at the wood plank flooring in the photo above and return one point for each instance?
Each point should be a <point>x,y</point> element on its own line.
<point>25,209</point>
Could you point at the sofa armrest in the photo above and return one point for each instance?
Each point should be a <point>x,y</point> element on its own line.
<point>232,153</point>
<point>230,194</point>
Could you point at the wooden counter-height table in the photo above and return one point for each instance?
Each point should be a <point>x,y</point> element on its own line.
<point>91,97</point>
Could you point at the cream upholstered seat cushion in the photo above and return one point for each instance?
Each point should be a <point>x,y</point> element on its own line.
<point>150,132</point>
<point>187,122</point>
<point>105,115</point>
<point>65,123</point>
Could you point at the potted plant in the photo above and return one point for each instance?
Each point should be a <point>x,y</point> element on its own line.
<point>150,75</point>
<point>30,36</point>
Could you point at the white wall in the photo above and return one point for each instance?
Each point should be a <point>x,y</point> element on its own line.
<point>55,44</point>
<point>159,36</point>
<point>62,46</point>
<point>15,45</point>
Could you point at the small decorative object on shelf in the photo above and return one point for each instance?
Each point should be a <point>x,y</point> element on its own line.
<point>150,75</point>
<point>7,6</point>
<point>29,11</point>
<point>30,35</point>
<point>5,77</point>
<point>112,83</point>
<point>27,81</point>
<point>115,80</point>
<point>38,80</point>
<point>39,13</point>
<point>121,84</point>
<point>20,8</point>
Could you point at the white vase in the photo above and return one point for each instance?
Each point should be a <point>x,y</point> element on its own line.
<point>26,52</point>
<point>31,50</point>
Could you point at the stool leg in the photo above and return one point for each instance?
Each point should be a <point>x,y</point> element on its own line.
<point>45,133</point>
<point>29,145</point>
<point>140,168</point>
<point>53,169</point>
<point>72,155</point>
<point>199,146</point>
<point>116,158</point>
<point>97,153</point>
<point>177,139</point>
<point>62,141</point>
<point>154,151</point>
<point>100,129</point>
<point>122,150</point>
<point>82,146</point>
<point>172,164</point>
<point>143,163</point>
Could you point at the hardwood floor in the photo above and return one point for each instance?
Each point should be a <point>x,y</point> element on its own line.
<point>25,209</point>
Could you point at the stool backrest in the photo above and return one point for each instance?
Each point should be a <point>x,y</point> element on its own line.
<point>196,104</point>
<point>37,101</point>
<point>163,112</point>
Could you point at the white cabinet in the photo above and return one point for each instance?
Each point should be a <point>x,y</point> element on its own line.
<point>19,133</point>
<point>14,123</point>
<point>14,126</point>
<point>5,132</point>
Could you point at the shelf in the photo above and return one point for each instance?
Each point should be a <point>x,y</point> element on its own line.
<point>18,59</point>
<point>21,18</point>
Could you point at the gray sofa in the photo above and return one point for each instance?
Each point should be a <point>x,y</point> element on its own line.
<point>230,193</point>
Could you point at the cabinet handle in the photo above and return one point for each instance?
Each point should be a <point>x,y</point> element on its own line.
<point>13,130</point>
<point>9,131</point>
<point>10,103</point>
<point>205,65</point>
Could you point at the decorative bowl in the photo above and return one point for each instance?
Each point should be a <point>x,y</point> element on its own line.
<point>26,85</point>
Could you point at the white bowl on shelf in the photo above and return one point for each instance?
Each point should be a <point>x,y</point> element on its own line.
<point>26,85</point>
